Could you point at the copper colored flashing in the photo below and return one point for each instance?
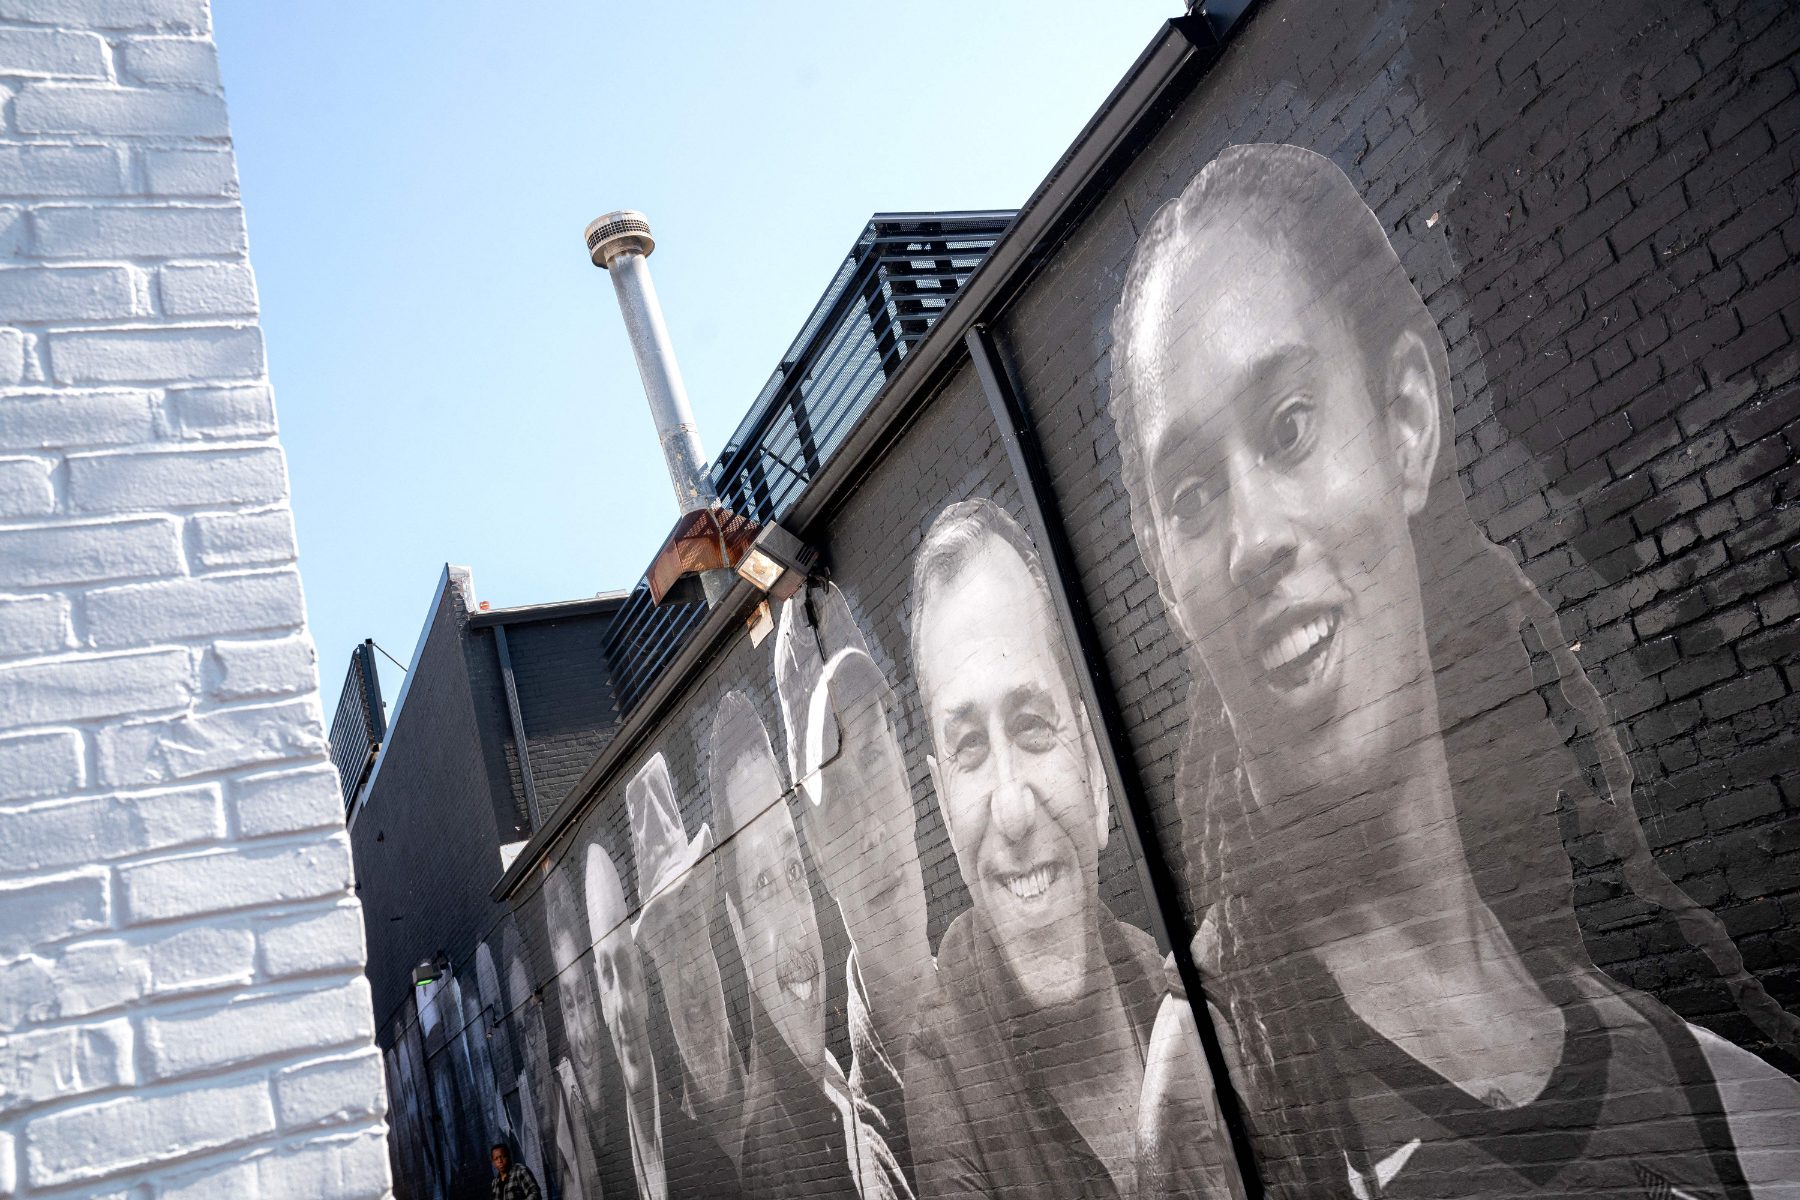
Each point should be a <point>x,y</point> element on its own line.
<point>709,539</point>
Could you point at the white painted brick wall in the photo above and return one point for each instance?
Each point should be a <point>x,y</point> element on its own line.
<point>182,1006</point>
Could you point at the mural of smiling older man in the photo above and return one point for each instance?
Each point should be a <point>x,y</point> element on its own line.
<point>1372,779</point>
<point>1025,1076</point>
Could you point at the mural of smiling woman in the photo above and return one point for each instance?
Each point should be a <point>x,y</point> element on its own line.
<point>1388,907</point>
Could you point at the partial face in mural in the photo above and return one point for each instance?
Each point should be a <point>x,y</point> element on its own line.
<point>770,905</point>
<point>624,999</point>
<point>493,1012</point>
<point>683,953</point>
<point>1017,769</point>
<point>534,1036</point>
<point>1283,456</point>
<point>481,1062</point>
<point>574,987</point>
<point>859,815</point>
<point>674,928</point>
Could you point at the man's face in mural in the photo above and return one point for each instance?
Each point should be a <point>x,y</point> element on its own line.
<point>1015,768</point>
<point>624,998</point>
<point>625,1005</point>
<point>1283,461</point>
<point>861,827</point>
<point>772,913</point>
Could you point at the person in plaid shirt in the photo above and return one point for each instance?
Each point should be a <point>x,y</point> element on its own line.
<point>512,1181</point>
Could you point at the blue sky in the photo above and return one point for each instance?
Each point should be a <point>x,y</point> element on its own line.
<point>451,374</point>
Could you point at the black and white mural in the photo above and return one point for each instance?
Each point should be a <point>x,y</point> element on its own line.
<point>861,915</point>
<point>1373,782</point>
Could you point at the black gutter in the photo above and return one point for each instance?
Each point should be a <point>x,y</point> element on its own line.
<point>526,613</point>
<point>1164,74</point>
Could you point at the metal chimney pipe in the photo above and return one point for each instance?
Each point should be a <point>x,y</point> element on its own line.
<point>620,242</point>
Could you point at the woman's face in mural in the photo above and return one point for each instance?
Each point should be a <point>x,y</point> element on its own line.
<point>862,834</point>
<point>625,1005</point>
<point>1281,490</point>
<point>1014,770</point>
<point>778,931</point>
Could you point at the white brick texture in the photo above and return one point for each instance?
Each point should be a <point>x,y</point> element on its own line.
<point>182,1006</point>
<point>189,172</point>
<point>40,764</point>
<point>43,911</point>
<point>243,539</point>
<point>64,420</point>
<point>73,231</point>
<point>266,668</point>
<point>67,293</point>
<point>236,412</point>
<point>51,1063</point>
<point>252,1029</point>
<point>48,555</point>
<point>180,479</point>
<point>115,1137</point>
<point>207,290</point>
<point>319,1093</point>
<point>318,941</point>
<point>61,171</point>
<point>208,743</point>
<point>52,53</point>
<point>172,888</point>
<point>184,62</point>
<point>60,108</point>
<point>33,625</point>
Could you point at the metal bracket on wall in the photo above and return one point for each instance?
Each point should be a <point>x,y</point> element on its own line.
<point>1044,516</point>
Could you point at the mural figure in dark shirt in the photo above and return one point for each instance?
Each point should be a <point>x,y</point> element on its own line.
<point>1024,1076</point>
<point>671,1157</point>
<point>1371,783</point>
<point>531,1099</point>
<point>495,1045</point>
<point>840,718</point>
<point>578,1075</point>
<point>806,1134</point>
<point>674,928</point>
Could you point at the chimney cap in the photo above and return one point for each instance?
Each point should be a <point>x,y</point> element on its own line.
<point>617,233</point>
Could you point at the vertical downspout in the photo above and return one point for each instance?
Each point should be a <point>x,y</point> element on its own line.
<point>517,716</point>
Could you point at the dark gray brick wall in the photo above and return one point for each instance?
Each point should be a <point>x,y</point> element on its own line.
<point>426,842</point>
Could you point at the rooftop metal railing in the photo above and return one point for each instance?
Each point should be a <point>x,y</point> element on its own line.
<point>359,724</point>
<point>899,277</point>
